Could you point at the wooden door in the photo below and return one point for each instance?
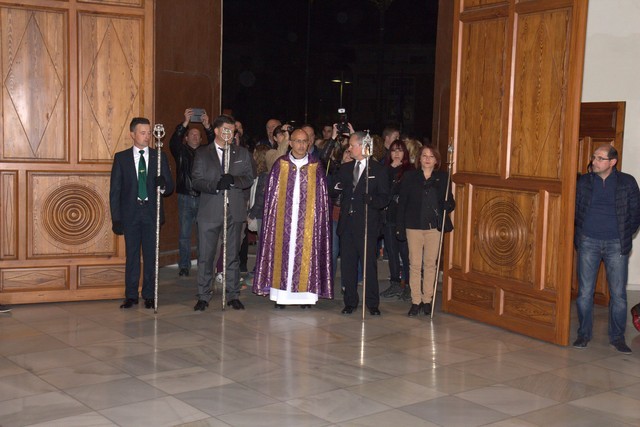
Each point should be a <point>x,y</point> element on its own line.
<point>600,123</point>
<point>516,87</point>
<point>74,73</point>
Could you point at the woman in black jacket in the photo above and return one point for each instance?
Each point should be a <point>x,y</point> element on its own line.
<point>419,219</point>
<point>397,163</point>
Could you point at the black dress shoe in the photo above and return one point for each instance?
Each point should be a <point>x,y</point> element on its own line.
<point>201,305</point>
<point>414,310</point>
<point>426,308</point>
<point>374,311</point>
<point>347,309</point>
<point>149,303</point>
<point>128,303</point>
<point>280,306</point>
<point>183,272</point>
<point>236,304</point>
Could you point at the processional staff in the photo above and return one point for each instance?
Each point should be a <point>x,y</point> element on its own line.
<point>444,218</point>
<point>227,135</point>
<point>367,151</point>
<point>158,133</point>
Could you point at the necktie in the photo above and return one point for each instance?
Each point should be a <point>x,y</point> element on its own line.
<point>356,174</point>
<point>142,177</point>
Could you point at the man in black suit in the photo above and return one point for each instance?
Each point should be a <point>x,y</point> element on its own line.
<point>133,200</point>
<point>351,180</point>
<point>209,179</point>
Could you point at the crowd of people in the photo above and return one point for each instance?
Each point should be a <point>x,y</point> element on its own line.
<point>309,198</point>
<point>344,193</point>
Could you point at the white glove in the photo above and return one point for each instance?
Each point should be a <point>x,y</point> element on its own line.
<point>252,224</point>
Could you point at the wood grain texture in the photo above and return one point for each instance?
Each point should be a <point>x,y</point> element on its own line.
<point>73,74</point>
<point>100,276</point>
<point>111,61</point>
<point>115,2</point>
<point>504,234</point>
<point>540,69</point>
<point>517,68</point>
<point>34,88</point>
<point>70,215</point>
<point>482,68</point>
<point>9,216</point>
<point>34,279</point>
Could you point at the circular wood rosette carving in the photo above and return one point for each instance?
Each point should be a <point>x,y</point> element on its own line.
<point>71,214</point>
<point>502,233</point>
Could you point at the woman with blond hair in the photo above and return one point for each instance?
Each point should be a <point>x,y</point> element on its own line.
<point>413,146</point>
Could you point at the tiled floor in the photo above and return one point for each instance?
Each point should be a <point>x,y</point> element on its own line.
<point>92,364</point>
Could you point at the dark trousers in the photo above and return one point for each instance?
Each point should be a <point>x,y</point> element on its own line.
<point>351,255</point>
<point>210,240</point>
<point>140,232</point>
<point>396,251</point>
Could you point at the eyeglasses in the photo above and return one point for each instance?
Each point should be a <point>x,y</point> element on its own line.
<point>300,141</point>
<point>599,158</point>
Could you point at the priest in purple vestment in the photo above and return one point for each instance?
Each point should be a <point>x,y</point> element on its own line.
<point>293,264</point>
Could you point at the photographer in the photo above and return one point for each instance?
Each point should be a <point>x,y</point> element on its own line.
<point>184,142</point>
<point>281,136</point>
<point>339,136</point>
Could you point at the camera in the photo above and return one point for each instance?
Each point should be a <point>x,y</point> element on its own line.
<point>197,115</point>
<point>343,122</point>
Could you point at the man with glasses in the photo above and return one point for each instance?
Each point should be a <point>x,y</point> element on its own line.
<point>606,218</point>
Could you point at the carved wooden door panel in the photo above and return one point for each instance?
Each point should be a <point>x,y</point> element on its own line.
<point>73,76</point>
<point>516,87</point>
<point>600,123</point>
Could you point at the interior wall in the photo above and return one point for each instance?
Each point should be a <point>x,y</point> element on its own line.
<point>188,49</point>
<point>612,61</point>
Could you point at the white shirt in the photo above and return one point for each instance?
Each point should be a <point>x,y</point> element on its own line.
<point>220,152</point>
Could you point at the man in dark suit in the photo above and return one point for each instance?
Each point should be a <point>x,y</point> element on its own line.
<point>209,179</point>
<point>133,201</point>
<point>351,180</point>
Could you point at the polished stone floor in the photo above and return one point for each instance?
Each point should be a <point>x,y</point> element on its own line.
<point>92,364</point>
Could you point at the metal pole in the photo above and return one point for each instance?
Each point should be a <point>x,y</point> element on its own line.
<point>444,218</point>
<point>367,149</point>
<point>226,136</point>
<point>158,133</point>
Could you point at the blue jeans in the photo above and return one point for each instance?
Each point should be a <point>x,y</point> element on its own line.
<point>187,213</point>
<point>590,253</point>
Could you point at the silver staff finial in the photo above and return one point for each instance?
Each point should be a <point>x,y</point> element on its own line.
<point>367,145</point>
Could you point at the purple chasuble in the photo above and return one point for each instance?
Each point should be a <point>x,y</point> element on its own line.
<point>312,259</point>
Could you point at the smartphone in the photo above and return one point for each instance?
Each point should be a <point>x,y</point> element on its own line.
<point>197,115</point>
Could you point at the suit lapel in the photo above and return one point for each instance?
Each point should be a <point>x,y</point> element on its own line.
<point>130,166</point>
<point>217,157</point>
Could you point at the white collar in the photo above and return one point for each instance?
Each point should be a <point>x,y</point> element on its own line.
<point>299,162</point>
